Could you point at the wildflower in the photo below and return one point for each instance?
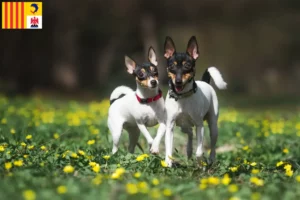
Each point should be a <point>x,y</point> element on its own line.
<point>163,163</point>
<point>253,164</point>
<point>18,163</point>
<point>155,181</point>
<point>80,152</point>
<point>61,189</point>
<point>131,188</point>
<point>233,188</point>
<point>167,192</point>
<point>155,194</point>
<point>143,187</point>
<point>106,157</point>
<point>285,150</point>
<point>23,144</point>
<point>43,148</point>
<point>30,147</point>
<point>74,155</point>
<point>255,171</point>
<point>287,167</point>
<point>256,181</point>
<point>8,165</point>
<point>68,169</point>
<point>42,164</point>
<point>142,157</point>
<point>226,179</point>
<point>202,186</point>
<point>298,178</point>
<point>12,131</point>
<point>255,196</point>
<point>92,164</point>
<point>2,148</point>
<point>118,173</point>
<point>289,173</point>
<point>233,169</point>
<point>137,174</point>
<point>97,180</point>
<point>245,148</point>
<point>25,155</point>
<point>29,195</point>
<point>91,142</point>
<point>28,137</point>
<point>4,121</point>
<point>213,180</point>
<point>204,181</point>
<point>278,164</point>
<point>55,135</point>
<point>96,168</point>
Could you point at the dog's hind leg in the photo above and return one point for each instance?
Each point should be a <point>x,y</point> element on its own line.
<point>134,134</point>
<point>115,128</point>
<point>200,138</point>
<point>189,147</point>
<point>212,120</point>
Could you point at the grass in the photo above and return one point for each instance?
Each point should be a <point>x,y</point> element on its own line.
<point>61,150</point>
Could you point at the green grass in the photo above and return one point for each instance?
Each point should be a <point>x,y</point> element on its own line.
<point>251,146</point>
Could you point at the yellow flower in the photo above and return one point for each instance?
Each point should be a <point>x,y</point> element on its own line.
<point>97,180</point>
<point>238,134</point>
<point>96,168</point>
<point>2,148</point>
<point>253,164</point>
<point>287,167</point>
<point>167,192</point>
<point>55,135</point>
<point>23,144</point>
<point>143,187</point>
<point>30,147</point>
<point>233,188</point>
<point>61,189</point>
<point>256,181</point>
<point>43,148</point>
<point>213,180</point>
<point>18,163</point>
<point>255,196</point>
<point>106,157</point>
<point>25,155</point>
<point>233,169</point>
<point>163,163</point>
<point>137,175</point>
<point>289,173</point>
<point>92,164</point>
<point>142,157</point>
<point>234,198</point>
<point>279,164</point>
<point>255,171</point>
<point>80,152</point>
<point>8,165</point>
<point>285,150</point>
<point>91,142</point>
<point>202,186</point>
<point>155,181</point>
<point>68,169</point>
<point>155,193</point>
<point>4,121</point>
<point>28,137</point>
<point>245,148</point>
<point>74,155</point>
<point>118,173</point>
<point>29,195</point>
<point>12,131</point>
<point>226,179</point>
<point>131,188</point>
<point>298,178</point>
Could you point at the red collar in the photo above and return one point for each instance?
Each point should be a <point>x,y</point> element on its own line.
<point>149,100</point>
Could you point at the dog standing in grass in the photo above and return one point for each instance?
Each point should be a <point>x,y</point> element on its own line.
<point>189,102</point>
<point>136,110</point>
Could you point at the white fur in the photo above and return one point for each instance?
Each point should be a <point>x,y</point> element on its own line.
<point>189,112</point>
<point>217,77</point>
<point>133,116</point>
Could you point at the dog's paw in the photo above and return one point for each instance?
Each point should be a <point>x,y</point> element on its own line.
<point>154,149</point>
<point>169,162</point>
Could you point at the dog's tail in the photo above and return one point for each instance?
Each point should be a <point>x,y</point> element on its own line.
<point>217,77</point>
<point>119,92</point>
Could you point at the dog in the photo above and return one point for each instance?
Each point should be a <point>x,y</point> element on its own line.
<point>136,110</point>
<point>189,103</point>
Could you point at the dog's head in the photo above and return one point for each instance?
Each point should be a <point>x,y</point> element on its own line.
<point>181,66</point>
<point>145,74</point>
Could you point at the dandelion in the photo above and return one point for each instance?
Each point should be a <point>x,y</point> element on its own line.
<point>255,171</point>
<point>131,188</point>
<point>256,181</point>
<point>8,165</point>
<point>226,179</point>
<point>61,189</point>
<point>155,193</point>
<point>80,152</point>
<point>43,148</point>
<point>30,147</point>
<point>167,192</point>
<point>12,131</point>
<point>298,178</point>
<point>202,186</point>
<point>25,155</point>
<point>96,168</point>
<point>137,174</point>
<point>253,164</point>
<point>97,180</point>
<point>233,188</point>
<point>287,167</point>
<point>18,163</point>
<point>74,155</point>
<point>68,169</point>
<point>289,173</point>
<point>142,157</point>
<point>3,121</point>
<point>106,157</point>
<point>285,150</point>
<point>118,173</point>
<point>92,164</point>
<point>245,148</point>
<point>91,142</point>
<point>23,144</point>
<point>155,181</point>
<point>233,169</point>
<point>2,148</point>
<point>143,187</point>
<point>28,137</point>
<point>213,180</point>
<point>278,164</point>
<point>29,195</point>
<point>56,136</point>
<point>163,163</point>
<point>255,196</point>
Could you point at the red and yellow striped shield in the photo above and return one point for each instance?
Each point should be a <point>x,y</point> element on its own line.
<point>22,15</point>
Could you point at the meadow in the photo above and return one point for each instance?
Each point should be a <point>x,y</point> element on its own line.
<point>51,149</point>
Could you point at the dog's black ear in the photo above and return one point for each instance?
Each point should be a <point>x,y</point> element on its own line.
<point>130,64</point>
<point>152,56</point>
<point>192,48</point>
<point>169,47</point>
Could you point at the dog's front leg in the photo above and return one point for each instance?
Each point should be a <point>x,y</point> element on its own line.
<point>146,133</point>
<point>169,142</point>
<point>160,133</point>
<point>200,134</point>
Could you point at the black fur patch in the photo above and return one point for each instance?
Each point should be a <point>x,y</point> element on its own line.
<point>113,100</point>
<point>206,76</point>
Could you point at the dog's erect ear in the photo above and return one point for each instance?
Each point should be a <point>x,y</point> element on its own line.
<point>192,48</point>
<point>152,56</point>
<point>169,47</point>
<point>130,64</point>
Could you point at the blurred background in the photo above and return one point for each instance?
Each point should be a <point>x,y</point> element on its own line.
<point>80,51</point>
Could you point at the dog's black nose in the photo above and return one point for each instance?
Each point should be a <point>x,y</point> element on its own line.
<point>153,82</point>
<point>178,81</point>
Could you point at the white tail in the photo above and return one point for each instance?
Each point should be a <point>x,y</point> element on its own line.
<point>216,75</point>
<point>121,90</point>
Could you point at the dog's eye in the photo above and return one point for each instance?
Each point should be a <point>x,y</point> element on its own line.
<point>187,66</point>
<point>172,66</point>
<point>140,74</point>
